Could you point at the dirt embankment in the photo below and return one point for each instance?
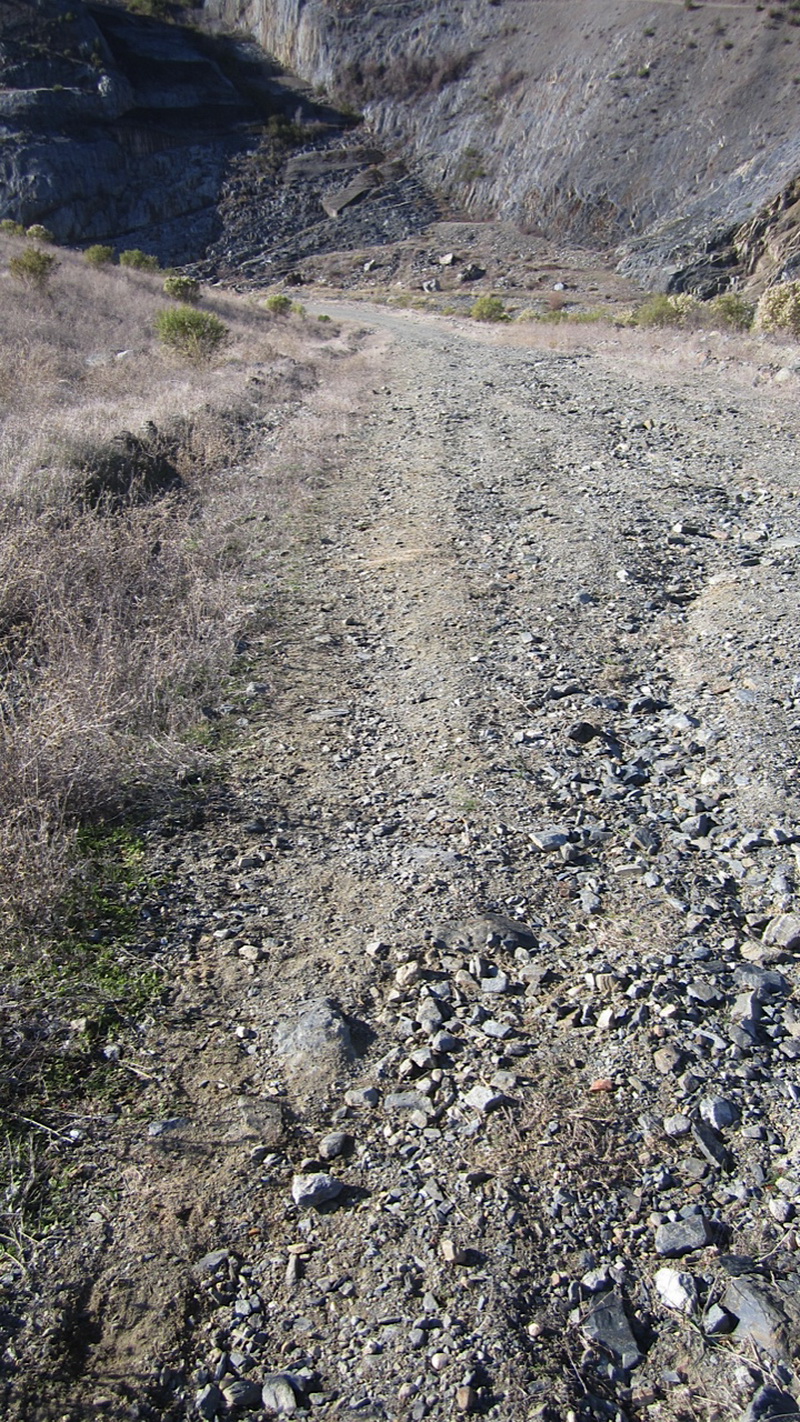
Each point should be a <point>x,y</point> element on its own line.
<point>474,1084</point>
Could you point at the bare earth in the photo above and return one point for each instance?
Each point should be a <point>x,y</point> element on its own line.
<point>519,539</point>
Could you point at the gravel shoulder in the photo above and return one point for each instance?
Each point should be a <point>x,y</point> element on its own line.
<point>493,927</point>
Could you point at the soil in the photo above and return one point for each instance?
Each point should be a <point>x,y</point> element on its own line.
<point>522,532</point>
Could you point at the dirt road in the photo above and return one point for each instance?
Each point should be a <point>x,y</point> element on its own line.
<point>512,804</point>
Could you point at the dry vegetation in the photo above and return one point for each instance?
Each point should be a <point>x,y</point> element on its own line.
<point>131,485</point>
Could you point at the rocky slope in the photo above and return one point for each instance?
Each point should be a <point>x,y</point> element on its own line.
<point>660,126</point>
<point>473,1088</point>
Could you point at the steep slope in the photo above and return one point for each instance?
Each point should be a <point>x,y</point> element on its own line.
<point>659,126</point>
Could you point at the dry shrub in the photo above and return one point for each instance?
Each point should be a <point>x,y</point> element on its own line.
<point>130,495</point>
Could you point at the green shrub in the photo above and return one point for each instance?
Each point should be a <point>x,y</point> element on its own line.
<point>488,308</point>
<point>33,267</point>
<point>98,255</point>
<point>664,310</point>
<point>732,310</point>
<point>38,233</point>
<point>12,228</point>
<point>278,304</point>
<point>138,261</point>
<point>182,288</point>
<point>193,334</point>
<point>297,308</point>
<point>323,317</point>
<point>779,308</point>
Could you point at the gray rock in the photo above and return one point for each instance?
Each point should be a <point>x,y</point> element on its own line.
<point>549,840</point>
<point>682,1237</point>
<point>407,1101</point>
<point>718,1112</point>
<point>314,1045</point>
<point>784,932</point>
<point>171,1127</point>
<point>309,1191</point>
<point>711,1146</point>
<point>483,1098</point>
<point>278,1395</point>
<point>241,1393</point>
<point>717,1320</point>
<point>362,1096</point>
<point>336,1143</point>
<point>211,1263</point>
<point>607,1325</point>
<point>770,1404</point>
<point>760,1318</point>
<point>209,1401</point>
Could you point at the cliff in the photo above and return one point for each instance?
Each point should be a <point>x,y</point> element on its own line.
<point>658,128</point>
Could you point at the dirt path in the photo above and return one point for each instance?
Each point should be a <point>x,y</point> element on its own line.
<point>515,772</point>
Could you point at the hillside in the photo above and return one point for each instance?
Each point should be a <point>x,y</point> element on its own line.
<point>660,127</point>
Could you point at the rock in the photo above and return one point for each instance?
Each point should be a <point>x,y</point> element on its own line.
<point>315,1045</point>
<point>362,1096</point>
<point>483,1098</point>
<point>718,1112</point>
<point>310,1191</point>
<point>717,1320</point>
<point>171,1127</point>
<point>466,1399</point>
<point>549,840</point>
<point>676,1290</point>
<point>240,1393</point>
<point>336,1143</point>
<point>407,1101</point>
<point>667,1059</point>
<point>607,1324</point>
<point>759,1316</point>
<point>582,732</point>
<point>784,932</point>
<point>770,1404</point>
<point>211,1263</point>
<point>209,1401</point>
<point>711,1146</point>
<point>278,1395</point>
<point>682,1237</point>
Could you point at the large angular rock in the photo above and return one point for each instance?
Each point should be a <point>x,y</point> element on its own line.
<point>760,1317</point>
<point>315,1045</point>
<point>607,1325</point>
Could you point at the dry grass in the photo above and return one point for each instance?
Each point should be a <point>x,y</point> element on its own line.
<point>132,488</point>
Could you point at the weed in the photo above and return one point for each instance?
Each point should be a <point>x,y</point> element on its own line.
<point>194,335</point>
<point>38,233</point>
<point>488,308</point>
<point>470,167</point>
<point>664,310</point>
<point>12,228</point>
<point>278,304</point>
<point>136,260</point>
<point>732,310</point>
<point>99,256</point>
<point>33,267</point>
<point>779,308</point>
<point>182,288</point>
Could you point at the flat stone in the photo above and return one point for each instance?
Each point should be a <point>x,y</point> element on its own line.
<point>362,1096</point>
<point>784,932</point>
<point>549,840</point>
<point>310,1191</point>
<point>315,1044</point>
<point>682,1237</point>
<point>760,1318</point>
<point>240,1393</point>
<point>711,1145</point>
<point>407,1101</point>
<point>483,1098</point>
<point>607,1325</point>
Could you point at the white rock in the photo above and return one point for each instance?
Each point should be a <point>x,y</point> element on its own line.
<point>676,1290</point>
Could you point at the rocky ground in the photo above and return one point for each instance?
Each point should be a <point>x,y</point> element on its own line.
<point>475,1085</point>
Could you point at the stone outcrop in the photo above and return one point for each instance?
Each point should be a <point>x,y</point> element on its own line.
<point>655,128</point>
<point>117,128</point>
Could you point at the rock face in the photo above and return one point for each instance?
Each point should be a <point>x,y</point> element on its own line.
<point>116,128</point>
<point>606,124</point>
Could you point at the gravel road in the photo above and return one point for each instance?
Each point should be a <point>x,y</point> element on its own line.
<point>484,1039</point>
